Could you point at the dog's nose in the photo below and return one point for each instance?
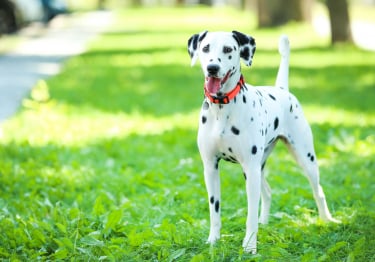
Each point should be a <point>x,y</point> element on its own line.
<point>213,69</point>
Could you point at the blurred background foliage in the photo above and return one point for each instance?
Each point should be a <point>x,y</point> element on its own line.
<point>269,13</point>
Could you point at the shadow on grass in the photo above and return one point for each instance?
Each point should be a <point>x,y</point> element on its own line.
<point>109,84</point>
<point>136,70</point>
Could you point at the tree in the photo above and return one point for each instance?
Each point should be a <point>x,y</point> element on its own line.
<point>275,12</point>
<point>339,19</point>
<point>206,2</point>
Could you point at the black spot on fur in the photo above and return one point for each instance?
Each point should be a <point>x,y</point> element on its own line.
<point>270,142</point>
<point>212,200</point>
<point>228,158</point>
<point>253,51</point>
<point>252,119</point>
<point>276,123</point>
<point>244,174</point>
<point>235,130</point>
<point>202,36</point>
<point>291,109</point>
<point>232,159</point>
<point>205,105</point>
<point>245,53</point>
<point>230,149</point>
<point>204,119</point>
<point>194,39</point>
<point>273,98</point>
<point>309,155</point>
<point>230,57</point>
<point>252,41</point>
<point>244,99</point>
<point>217,163</point>
<point>254,150</point>
<point>217,206</point>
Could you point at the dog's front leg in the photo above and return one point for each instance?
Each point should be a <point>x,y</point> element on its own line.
<point>253,187</point>
<point>212,180</point>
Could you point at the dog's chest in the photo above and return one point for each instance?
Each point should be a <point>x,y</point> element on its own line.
<point>247,124</point>
<point>227,126</point>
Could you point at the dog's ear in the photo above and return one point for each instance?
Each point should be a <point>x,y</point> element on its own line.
<point>247,46</point>
<point>193,45</point>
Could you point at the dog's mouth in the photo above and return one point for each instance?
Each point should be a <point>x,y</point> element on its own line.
<point>213,84</point>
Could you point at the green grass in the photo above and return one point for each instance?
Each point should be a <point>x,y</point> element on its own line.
<point>101,161</point>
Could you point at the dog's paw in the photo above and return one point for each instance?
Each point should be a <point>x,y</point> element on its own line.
<point>263,220</point>
<point>331,220</point>
<point>334,220</point>
<point>213,238</point>
<point>250,244</point>
<point>252,251</point>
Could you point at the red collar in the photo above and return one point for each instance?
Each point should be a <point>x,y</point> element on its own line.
<point>225,99</point>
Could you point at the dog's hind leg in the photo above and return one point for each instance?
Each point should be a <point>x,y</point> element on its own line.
<point>266,196</point>
<point>265,193</point>
<point>302,148</point>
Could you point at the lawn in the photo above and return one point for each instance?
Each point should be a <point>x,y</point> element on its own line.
<point>101,162</point>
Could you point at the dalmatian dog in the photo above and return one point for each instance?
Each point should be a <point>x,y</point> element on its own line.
<point>241,123</point>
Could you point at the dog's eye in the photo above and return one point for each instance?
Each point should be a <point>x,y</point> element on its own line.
<point>206,49</point>
<point>227,49</point>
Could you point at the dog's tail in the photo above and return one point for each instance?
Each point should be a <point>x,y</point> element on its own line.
<point>283,73</point>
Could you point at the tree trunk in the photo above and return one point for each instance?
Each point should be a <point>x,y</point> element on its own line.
<point>340,22</point>
<point>205,2</point>
<point>276,12</point>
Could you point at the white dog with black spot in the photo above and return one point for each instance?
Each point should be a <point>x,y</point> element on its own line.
<point>241,123</point>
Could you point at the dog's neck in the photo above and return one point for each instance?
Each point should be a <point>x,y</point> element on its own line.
<point>229,91</point>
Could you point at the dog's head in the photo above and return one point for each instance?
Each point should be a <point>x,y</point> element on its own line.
<point>219,54</point>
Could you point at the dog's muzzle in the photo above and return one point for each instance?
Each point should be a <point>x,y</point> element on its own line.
<point>213,81</point>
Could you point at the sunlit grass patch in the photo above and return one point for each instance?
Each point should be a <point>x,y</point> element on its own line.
<point>66,125</point>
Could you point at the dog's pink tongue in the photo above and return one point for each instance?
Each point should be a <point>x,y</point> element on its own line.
<point>213,84</point>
